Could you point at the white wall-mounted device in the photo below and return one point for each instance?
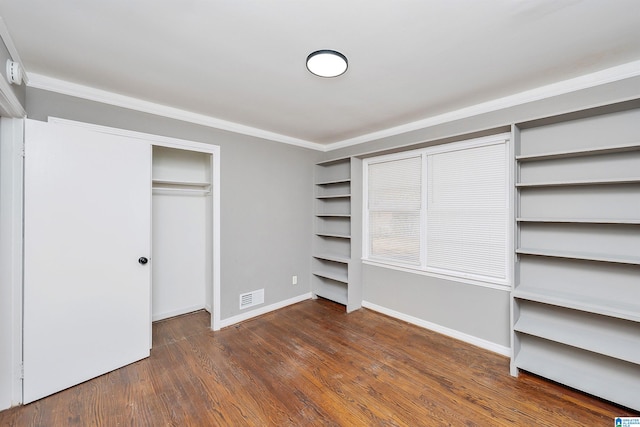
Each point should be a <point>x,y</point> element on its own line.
<point>14,72</point>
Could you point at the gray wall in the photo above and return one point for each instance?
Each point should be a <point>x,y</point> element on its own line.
<point>266,197</point>
<point>477,311</point>
<point>473,310</point>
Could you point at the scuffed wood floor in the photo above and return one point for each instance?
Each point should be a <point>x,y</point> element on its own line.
<point>312,364</point>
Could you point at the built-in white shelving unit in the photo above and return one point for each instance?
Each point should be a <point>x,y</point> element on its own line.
<point>332,260</point>
<point>576,296</point>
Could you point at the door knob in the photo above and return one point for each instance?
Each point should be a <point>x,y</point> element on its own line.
<point>142,260</point>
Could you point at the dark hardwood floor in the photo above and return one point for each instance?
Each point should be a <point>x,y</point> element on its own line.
<point>312,364</point>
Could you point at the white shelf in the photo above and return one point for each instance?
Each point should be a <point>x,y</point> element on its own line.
<point>334,258</point>
<point>613,181</point>
<point>185,187</point>
<point>334,181</point>
<point>330,215</point>
<point>174,182</point>
<point>580,152</point>
<point>181,183</point>
<point>333,161</point>
<point>581,220</point>
<point>627,310</point>
<point>338,236</point>
<point>333,294</point>
<point>596,374</point>
<point>587,256</point>
<point>614,338</point>
<point>342,278</point>
<point>335,196</point>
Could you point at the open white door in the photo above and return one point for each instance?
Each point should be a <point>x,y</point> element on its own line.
<point>87,224</point>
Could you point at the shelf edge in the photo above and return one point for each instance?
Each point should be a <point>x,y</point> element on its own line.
<point>632,314</point>
<point>579,255</point>
<point>579,153</point>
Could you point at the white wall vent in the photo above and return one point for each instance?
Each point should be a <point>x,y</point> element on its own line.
<point>251,298</point>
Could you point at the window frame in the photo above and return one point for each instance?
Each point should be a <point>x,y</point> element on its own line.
<point>422,269</point>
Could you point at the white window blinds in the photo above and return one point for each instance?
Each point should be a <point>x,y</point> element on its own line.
<point>467,211</point>
<point>394,209</point>
<point>442,209</point>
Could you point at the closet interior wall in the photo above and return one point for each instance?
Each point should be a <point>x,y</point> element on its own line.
<point>181,232</point>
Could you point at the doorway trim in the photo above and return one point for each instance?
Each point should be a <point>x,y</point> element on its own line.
<point>11,185</point>
<point>164,141</point>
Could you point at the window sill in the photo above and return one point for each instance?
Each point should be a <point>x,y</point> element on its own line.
<point>460,278</point>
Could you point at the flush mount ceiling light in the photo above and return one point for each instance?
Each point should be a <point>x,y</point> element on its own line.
<point>327,63</point>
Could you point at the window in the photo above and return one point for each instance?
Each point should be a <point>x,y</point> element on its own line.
<point>395,210</point>
<point>442,210</point>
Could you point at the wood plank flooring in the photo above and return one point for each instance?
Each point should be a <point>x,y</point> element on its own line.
<point>312,364</point>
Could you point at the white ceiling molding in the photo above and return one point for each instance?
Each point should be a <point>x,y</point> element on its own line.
<point>39,81</point>
<point>609,75</point>
<point>9,104</point>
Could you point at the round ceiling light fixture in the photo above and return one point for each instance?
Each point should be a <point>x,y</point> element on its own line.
<point>327,63</point>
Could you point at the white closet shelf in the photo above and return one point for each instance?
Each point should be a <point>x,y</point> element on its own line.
<point>334,258</point>
<point>613,181</point>
<point>582,220</point>
<point>332,215</point>
<point>611,342</point>
<point>183,187</point>
<point>580,152</point>
<point>619,309</point>
<point>588,256</point>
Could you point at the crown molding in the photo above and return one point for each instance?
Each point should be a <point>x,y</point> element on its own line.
<point>51,84</point>
<point>9,103</point>
<point>609,75</point>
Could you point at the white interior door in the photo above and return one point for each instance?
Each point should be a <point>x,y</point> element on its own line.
<point>87,223</point>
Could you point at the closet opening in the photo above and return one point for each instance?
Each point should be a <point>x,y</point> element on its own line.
<point>182,232</point>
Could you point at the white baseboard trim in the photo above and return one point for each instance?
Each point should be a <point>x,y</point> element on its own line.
<point>167,314</point>
<point>263,310</point>
<point>478,342</point>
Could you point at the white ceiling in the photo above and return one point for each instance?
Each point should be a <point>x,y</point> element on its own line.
<point>243,61</point>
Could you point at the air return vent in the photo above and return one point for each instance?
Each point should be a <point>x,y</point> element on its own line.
<point>252,298</point>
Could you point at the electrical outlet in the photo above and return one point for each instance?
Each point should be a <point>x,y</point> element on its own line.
<point>294,280</point>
